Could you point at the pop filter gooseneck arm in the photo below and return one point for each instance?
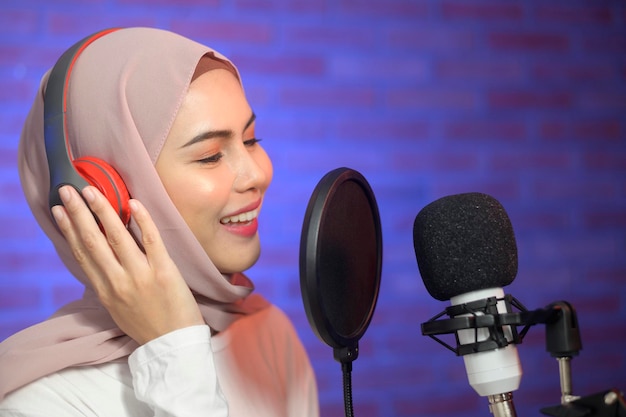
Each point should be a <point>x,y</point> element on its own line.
<point>341,264</point>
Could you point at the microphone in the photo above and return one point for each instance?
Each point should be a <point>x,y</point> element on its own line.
<point>466,252</point>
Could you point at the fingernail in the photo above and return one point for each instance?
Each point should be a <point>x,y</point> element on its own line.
<point>89,195</point>
<point>57,213</point>
<point>65,194</point>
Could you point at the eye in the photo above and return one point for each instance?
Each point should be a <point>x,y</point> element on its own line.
<point>251,142</point>
<point>211,159</point>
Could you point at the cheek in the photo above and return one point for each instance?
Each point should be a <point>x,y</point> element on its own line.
<point>198,198</point>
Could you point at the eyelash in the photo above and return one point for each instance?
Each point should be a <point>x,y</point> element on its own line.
<point>215,158</point>
<point>251,142</point>
<point>211,159</point>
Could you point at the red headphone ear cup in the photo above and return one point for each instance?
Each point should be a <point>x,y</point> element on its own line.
<point>106,179</point>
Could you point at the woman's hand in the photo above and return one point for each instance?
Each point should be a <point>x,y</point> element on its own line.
<point>144,292</point>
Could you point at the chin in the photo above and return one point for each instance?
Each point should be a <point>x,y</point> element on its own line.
<point>240,264</point>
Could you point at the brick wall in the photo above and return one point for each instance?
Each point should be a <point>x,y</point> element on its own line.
<point>524,100</point>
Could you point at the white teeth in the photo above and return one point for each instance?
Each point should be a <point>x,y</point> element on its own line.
<point>240,218</point>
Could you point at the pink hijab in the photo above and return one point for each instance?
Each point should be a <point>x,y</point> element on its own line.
<point>125,92</point>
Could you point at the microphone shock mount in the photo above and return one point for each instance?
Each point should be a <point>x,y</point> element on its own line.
<point>563,342</point>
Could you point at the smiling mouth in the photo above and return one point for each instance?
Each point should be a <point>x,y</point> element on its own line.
<point>240,218</point>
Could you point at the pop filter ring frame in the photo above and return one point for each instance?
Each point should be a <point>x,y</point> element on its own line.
<point>309,253</point>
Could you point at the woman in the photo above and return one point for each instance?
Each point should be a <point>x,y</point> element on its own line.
<point>167,325</point>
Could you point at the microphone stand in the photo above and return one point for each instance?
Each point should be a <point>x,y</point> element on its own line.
<point>609,403</point>
<point>565,379</point>
<point>563,342</point>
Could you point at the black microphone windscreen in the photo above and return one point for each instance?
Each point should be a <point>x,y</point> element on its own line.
<point>464,243</point>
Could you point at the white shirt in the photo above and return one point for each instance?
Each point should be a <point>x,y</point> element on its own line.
<point>257,367</point>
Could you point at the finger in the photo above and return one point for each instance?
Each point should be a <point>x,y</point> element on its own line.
<point>64,224</point>
<point>119,240</point>
<point>78,226</point>
<point>151,241</point>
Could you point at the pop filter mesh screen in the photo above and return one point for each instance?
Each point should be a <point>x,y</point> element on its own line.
<point>348,260</point>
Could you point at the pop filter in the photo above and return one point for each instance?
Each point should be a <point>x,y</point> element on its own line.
<point>341,262</point>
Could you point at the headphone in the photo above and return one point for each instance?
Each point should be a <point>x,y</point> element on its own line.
<point>64,169</point>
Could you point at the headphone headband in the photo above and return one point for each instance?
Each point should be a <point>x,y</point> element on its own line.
<point>63,169</point>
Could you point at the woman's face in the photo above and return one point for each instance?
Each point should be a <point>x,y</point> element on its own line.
<point>215,172</point>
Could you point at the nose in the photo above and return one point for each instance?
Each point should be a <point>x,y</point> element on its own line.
<point>253,170</point>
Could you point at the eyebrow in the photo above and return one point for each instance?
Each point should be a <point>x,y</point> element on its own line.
<point>212,134</point>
